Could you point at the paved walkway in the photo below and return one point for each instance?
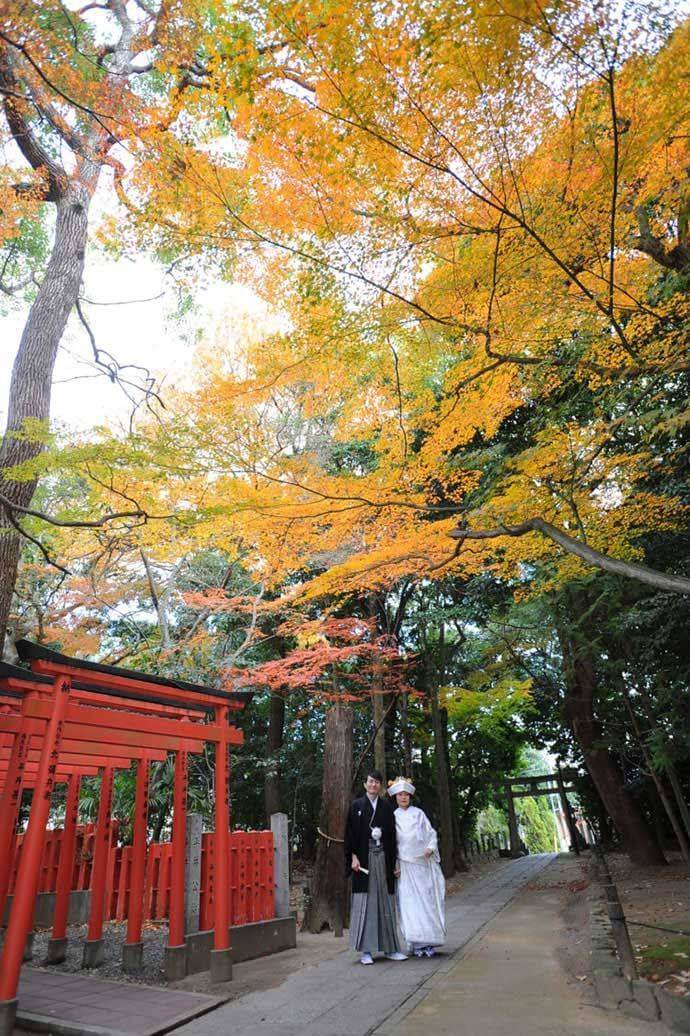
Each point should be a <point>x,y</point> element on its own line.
<point>79,1005</point>
<point>503,973</point>
<point>510,979</point>
<point>340,998</point>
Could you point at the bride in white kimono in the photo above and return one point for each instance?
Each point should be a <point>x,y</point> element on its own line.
<point>421,887</point>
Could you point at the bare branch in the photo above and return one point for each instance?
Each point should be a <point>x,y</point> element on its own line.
<point>250,630</point>
<point>107,363</point>
<point>32,539</point>
<point>141,517</point>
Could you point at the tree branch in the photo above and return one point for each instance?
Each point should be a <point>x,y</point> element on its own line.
<point>676,258</point>
<point>11,508</point>
<point>628,569</point>
<point>24,137</point>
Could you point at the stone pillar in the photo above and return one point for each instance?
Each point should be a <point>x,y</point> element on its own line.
<point>192,873</point>
<point>512,824</point>
<point>279,827</point>
<point>567,812</point>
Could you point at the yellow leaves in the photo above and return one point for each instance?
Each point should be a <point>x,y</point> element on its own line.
<point>396,549</point>
<point>473,406</point>
<point>16,206</point>
<point>491,699</point>
<point>427,216</point>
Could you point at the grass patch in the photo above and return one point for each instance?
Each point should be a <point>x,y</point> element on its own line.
<point>665,958</point>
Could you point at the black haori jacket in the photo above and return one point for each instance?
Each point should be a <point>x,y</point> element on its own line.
<point>357,834</point>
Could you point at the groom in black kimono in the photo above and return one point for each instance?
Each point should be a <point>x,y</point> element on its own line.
<point>370,856</point>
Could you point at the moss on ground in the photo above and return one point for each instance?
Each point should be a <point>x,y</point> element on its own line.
<point>670,957</point>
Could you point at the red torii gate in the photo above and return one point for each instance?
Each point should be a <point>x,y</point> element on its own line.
<point>65,719</point>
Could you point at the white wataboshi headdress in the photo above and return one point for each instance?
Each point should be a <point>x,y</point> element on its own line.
<point>401,784</point>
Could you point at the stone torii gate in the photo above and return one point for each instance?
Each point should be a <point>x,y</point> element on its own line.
<point>513,788</point>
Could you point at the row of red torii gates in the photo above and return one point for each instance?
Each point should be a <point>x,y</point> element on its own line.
<point>64,719</point>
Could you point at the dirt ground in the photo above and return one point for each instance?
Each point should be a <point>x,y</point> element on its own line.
<point>658,896</point>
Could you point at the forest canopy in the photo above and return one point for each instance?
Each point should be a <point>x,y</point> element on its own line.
<point>438,492</point>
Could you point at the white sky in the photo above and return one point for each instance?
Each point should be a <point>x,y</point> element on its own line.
<point>140,329</point>
<point>140,332</point>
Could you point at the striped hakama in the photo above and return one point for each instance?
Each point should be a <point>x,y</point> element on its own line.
<point>373,924</point>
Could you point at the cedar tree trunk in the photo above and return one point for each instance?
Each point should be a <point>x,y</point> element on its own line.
<point>274,744</point>
<point>580,678</point>
<point>445,808</point>
<point>327,906</point>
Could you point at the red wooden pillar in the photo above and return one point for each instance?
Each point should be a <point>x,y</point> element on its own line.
<point>93,947</point>
<point>57,945</point>
<point>9,811</point>
<point>221,956</point>
<point>132,951</point>
<point>29,869</point>
<point>176,951</point>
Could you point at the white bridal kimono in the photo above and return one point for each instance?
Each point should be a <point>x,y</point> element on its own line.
<point>421,888</point>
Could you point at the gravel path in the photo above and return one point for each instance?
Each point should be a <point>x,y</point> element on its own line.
<point>154,938</point>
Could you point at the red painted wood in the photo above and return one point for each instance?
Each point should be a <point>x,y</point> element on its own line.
<point>101,857</point>
<point>135,912</point>
<point>84,723</point>
<point>23,903</point>
<point>9,811</point>
<point>221,918</point>
<point>66,846</point>
<point>72,759</point>
<point>251,877</point>
<point>111,730</point>
<point>131,683</point>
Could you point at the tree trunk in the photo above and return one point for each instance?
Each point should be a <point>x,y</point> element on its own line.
<point>580,680</point>
<point>379,702</point>
<point>378,715</point>
<point>405,734</point>
<point>161,820</point>
<point>670,768</point>
<point>461,863</point>
<point>32,375</point>
<point>274,744</point>
<point>658,783</point>
<point>678,795</point>
<point>389,727</point>
<point>328,885</point>
<point>445,809</point>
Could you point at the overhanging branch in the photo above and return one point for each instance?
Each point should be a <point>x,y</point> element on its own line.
<point>11,509</point>
<point>628,569</point>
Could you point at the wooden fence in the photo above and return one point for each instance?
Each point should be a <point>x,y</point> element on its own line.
<point>251,887</point>
<point>83,858</point>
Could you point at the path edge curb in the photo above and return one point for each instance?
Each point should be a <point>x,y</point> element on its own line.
<point>635,997</point>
